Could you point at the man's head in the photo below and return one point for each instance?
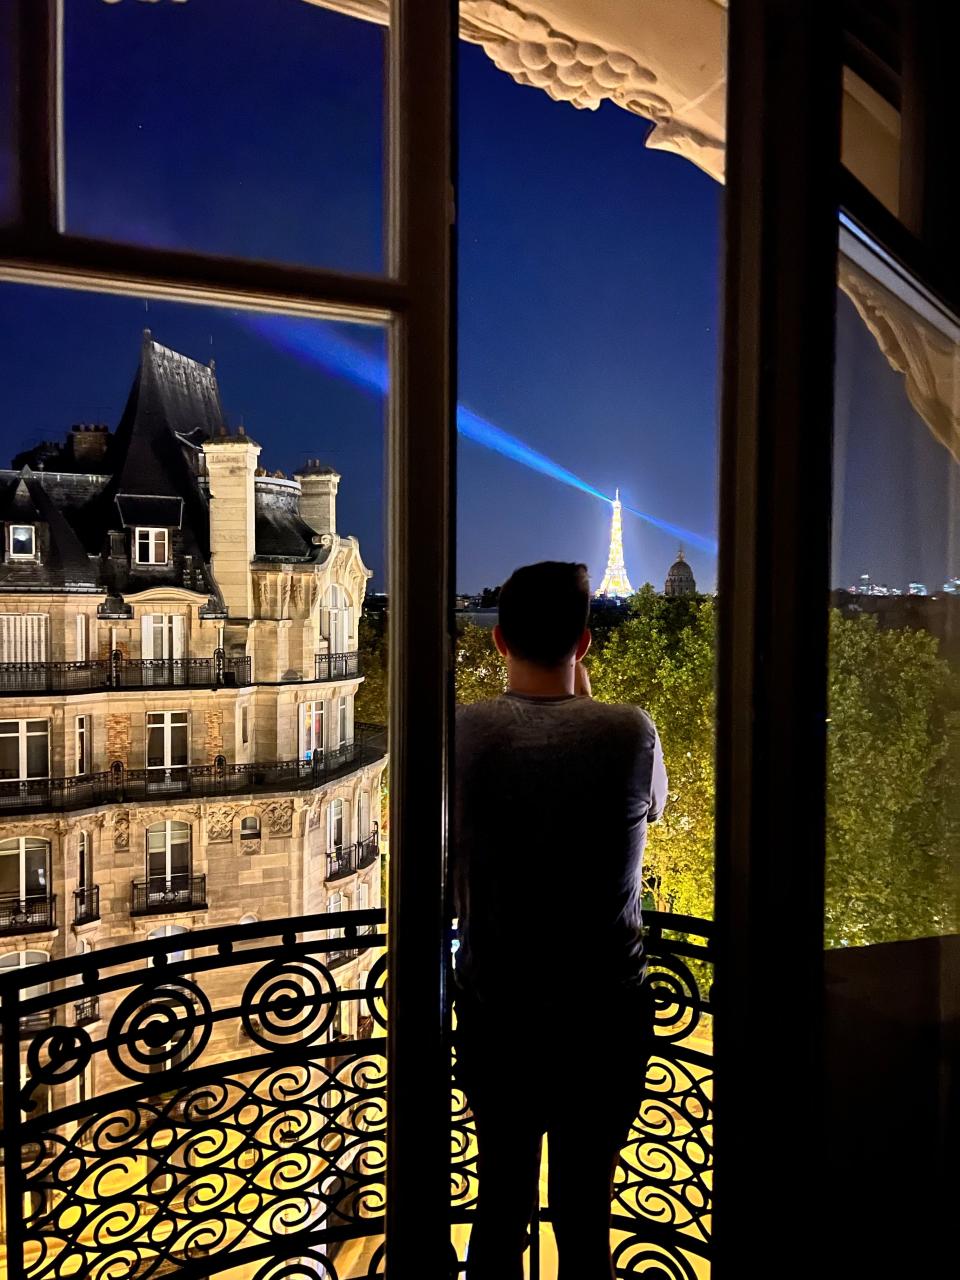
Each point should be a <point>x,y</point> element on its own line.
<point>543,614</point>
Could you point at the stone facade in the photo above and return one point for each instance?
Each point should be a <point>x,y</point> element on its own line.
<point>216,714</point>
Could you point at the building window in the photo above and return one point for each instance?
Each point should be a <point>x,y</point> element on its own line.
<point>168,855</point>
<point>23,542</point>
<point>244,725</point>
<point>335,620</point>
<point>166,739</point>
<point>83,744</point>
<point>171,931</point>
<point>161,635</point>
<point>250,828</point>
<point>150,546</point>
<point>335,827</point>
<point>24,868</point>
<point>311,729</point>
<point>80,623</point>
<point>84,876</point>
<point>23,637</point>
<point>24,749</point>
<point>363,815</point>
<point>363,896</point>
<point>341,720</point>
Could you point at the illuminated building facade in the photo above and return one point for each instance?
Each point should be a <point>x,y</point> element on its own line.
<point>178,668</point>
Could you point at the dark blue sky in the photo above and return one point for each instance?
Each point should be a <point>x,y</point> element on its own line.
<point>588,274</point>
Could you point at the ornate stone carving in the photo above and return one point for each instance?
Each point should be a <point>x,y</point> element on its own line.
<point>263,594</point>
<point>285,595</point>
<point>251,846</point>
<point>278,817</point>
<point>220,823</point>
<point>297,593</point>
<point>177,813</point>
<point>121,829</point>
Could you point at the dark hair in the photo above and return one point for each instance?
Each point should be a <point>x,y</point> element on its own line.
<point>543,611</point>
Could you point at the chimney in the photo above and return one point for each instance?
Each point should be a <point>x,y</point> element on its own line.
<point>88,441</point>
<point>318,495</point>
<point>231,463</point>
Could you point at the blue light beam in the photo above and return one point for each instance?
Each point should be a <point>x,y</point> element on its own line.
<point>320,344</point>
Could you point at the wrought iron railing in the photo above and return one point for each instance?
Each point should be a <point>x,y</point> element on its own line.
<point>176,893</point>
<point>353,857</point>
<point>122,786</point>
<point>336,666</point>
<point>86,904</point>
<point>224,1118</point>
<point>27,915</point>
<point>86,1011</point>
<point>121,672</point>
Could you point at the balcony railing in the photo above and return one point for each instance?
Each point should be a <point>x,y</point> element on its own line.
<point>86,1011</point>
<point>28,915</point>
<point>125,786</point>
<point>124,673</point>
<point>337,666</point>
<point>353,857</point>
<point>178,893</point>
<point>86,904</point>
<point>231,1049</point>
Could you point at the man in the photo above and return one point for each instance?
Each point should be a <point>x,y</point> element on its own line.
<point>553,794</point>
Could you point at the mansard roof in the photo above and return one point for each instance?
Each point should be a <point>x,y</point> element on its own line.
<point>24,498</point>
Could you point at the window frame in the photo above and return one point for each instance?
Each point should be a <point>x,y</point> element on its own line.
<point>168,876</point>
<point>414,299</point>
<point>21,855</point>
<point>153,534</point>
<point>22,736</point>
<point>22,555</point>
<point>82,744</point>
<point>167,725</point>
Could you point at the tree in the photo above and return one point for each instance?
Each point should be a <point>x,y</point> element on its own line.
<point>370,706</point>
<point>893,818</point>
<point>662,658</point>
<point>479,670</point>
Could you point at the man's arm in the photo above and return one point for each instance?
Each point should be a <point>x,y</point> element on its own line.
<point>658,782</point>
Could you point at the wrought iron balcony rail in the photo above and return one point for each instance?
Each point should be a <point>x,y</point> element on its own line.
<point>123,786</point>
<point>178,893</point>
<point>234,1053</point>
<point>124,673</point>
<point>86,904</point>
<point>353,857</point>
<point>27,915</point>
<point>86,1011</point>
<point>336,666</point>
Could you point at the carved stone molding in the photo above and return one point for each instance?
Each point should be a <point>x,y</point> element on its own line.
<point>177,813</point>
<point>928,359</point>
<point>277,815</point>
<point>220,823</point>
<point>121,829</point>
<point>251,845</point>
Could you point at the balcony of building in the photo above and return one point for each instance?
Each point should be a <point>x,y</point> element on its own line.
<point>336,666</point>
<point>351,858</point>
<point>33,914</point>
<point>266,1020</point>
<point>118,785</point>
<point>86,904</point>
<point>119,672</point>
<point>159,894</point>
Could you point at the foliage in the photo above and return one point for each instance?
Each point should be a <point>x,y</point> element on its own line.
<point>662,658</point>
<point>479,671</point>
<point>893,819</point>
<point>371,700</point>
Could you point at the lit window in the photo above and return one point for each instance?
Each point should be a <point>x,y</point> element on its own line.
<point>150,546</point>
<point>83,757</point>
<point>250,828</point>
<point>23,541</point>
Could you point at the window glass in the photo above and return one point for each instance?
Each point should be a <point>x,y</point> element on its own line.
<point>151,546</point>
<point>249,828</point>
<point>189,144</point>
<point>22,540</point>
<point>893,819</point>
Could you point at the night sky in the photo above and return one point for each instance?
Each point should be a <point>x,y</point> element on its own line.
<point>589,290</point>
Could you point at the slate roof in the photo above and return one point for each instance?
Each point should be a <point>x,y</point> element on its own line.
<point>149,472</point>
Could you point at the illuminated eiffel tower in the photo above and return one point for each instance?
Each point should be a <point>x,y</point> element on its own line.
<point>615,584</point>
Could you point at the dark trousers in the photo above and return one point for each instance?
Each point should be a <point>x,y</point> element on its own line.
<point>522,1081</point>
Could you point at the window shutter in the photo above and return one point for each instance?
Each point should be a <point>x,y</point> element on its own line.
<point>146,636</point>
<point>178,632</point>
<point>23,637</point>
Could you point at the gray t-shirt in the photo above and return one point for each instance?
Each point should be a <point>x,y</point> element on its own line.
<point>552,801</point>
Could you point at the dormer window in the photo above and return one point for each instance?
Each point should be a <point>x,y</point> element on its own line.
<point>23,542</point>
<point>150,546</point>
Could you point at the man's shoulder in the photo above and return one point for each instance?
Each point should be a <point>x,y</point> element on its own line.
<point>631,718</point>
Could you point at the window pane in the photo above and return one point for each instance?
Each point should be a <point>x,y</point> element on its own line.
<point>178,744</point>
<point>155,746</point>
<point>35,871</point>
<point>22,540</point>
<point>871,139</point>
<point>894,749</point>
<point>10,872</point>
<point>228,127</point>
<point>9,757</point>
<point>38,764</point>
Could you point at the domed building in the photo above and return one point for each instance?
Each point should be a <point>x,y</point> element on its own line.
<point>680,580</point>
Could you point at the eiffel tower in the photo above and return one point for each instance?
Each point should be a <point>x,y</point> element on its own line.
<point>615,584</point>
